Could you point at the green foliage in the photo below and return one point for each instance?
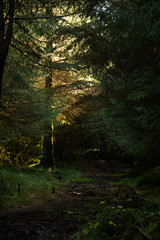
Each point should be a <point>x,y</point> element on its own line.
<point>119,45</point>
<point>118,223</point>
<point>22,119</point>
<point>88,135</point>
<point>21,151</point>
<point>149,181</point>
<point>26,107</point>
<point>147,185</point>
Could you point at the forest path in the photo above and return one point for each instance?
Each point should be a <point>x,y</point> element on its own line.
<point>70,207</point>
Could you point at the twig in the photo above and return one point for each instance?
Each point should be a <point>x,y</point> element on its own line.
<point>146,200</point>
<point>78,213</point>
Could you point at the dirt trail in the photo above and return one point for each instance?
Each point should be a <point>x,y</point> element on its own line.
<point>64,214</point>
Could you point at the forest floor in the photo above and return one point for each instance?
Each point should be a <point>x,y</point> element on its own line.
<point>63,214</point>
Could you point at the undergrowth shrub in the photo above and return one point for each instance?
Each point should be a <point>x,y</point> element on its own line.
<point>118,223</point>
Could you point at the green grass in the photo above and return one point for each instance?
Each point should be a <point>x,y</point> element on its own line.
<point>27,186</point>
<point>70,174</point>
<point>17,186</point>
<point>146,185</point>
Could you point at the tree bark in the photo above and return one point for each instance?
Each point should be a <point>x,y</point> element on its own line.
<point>6,29</point>
<point>1,77</point>
<point>47,160</point>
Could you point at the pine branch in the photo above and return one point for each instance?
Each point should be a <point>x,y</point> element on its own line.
<point>39,64</point>
<point>26,31</point>
<point>46,17</point>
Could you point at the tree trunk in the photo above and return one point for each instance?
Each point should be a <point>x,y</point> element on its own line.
<point>6,29</point>
<point>1,77</point>
<point>47,160</point>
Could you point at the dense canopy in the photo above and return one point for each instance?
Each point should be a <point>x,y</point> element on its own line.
<point>80,91</point>
<point>67,63</point>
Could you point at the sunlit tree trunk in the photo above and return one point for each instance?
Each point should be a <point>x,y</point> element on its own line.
<point>47,160</point>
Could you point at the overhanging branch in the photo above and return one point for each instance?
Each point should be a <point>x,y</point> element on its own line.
<point>46,17</point>
<point>39,64</point>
